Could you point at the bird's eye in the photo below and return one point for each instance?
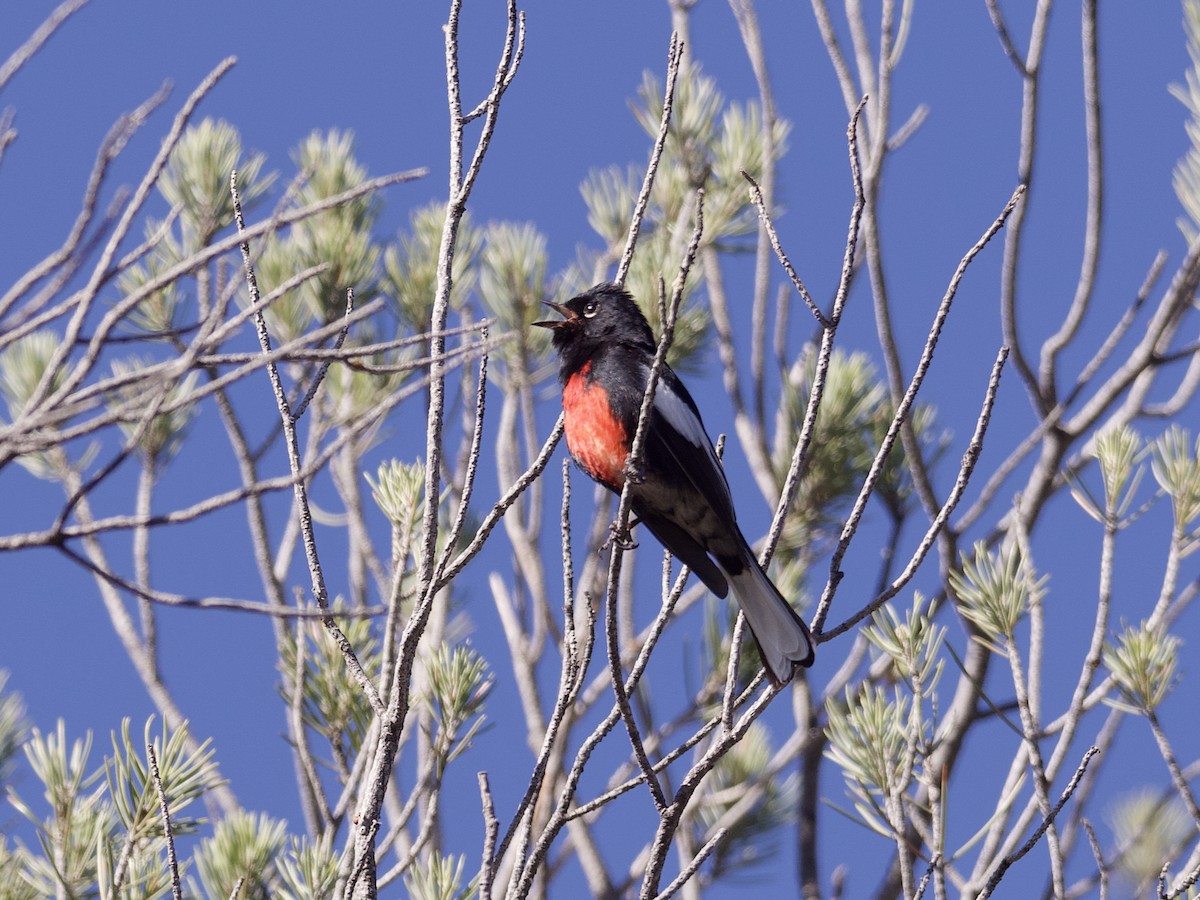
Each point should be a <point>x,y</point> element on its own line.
<point>590,309</point>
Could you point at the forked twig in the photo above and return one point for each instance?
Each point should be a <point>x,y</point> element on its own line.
<point>998,872</point>
<point>902,412</point>
<point>299,486</point>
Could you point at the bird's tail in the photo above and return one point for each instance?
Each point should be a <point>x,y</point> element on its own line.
<point>784,641</point>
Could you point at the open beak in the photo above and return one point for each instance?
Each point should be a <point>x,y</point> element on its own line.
<point>569,316</point>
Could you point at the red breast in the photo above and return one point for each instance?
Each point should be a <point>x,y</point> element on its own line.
<point>595,437</point>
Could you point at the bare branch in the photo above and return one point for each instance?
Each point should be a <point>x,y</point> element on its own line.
<point>694,866</point>
<point>168,831</point>
<point>320,595</point>
<point>44,32</point>
<point>674,60</point>
<point>966,469</point>
<point>765,217</point>
<point>902,411</point>
<point>998,872</point>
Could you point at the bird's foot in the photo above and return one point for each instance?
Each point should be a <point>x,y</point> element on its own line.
<point>620,537</point>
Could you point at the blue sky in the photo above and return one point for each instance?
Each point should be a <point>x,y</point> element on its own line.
<point>377,69</point>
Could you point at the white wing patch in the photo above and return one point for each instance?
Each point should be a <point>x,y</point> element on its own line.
<point>671,406</point>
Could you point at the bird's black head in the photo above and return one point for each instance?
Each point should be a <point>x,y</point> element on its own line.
<point>600,317</point>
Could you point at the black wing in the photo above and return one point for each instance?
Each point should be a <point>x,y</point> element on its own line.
<point>677,433</point>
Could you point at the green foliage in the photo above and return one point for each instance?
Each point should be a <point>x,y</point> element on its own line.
<point>22,366</point>
<point>512,284</point>
<point>15,881</point>
<point>185,777</point>
<point>327,167</point>
<point>143,874</point>
<point>157,316</point>
<point>289,316</point>
<point>459,684</point>
<point>439,878</point>
<point>79,818</point>
<point>869,739</point>
<point>651,277</point>
<point>914,644</point>
<point>995,589</point>
<point>309,870</point>
<point>332,704</point>
<point>1117,451</point>
<point>739,147</point>
<point>410,265</point>
<point>106,836</point>
<point>842,443</point>
<point>398,489</point>
<point>197,180</point>
<point>751,832</point>
<point>1143,662</point>
<point>346,249</point>
<point>708,145</point>
<point>243,846</point>
<point>1149,829</point>
<point>852,421</point>
<point>698,103</point>
<point>350,393</point>
<point>1175,462</point>
<point>164,436</point>
<point>610,194</point>
<point>13,727</point>
<point>1187,170</point>
<point>338,239</point>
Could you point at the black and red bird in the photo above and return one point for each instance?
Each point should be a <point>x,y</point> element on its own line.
<point>606,350</point>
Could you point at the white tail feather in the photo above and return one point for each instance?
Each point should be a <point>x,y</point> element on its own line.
<point>782,636</point>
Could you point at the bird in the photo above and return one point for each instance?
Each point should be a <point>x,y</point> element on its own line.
<point>606,352</point>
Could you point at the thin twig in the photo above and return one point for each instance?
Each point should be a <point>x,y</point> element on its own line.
<point>966,469</point>
<point>1006,42</point>
<point>65,256</point>
<point>674,59</point>
<point>765,217</point>
<point>902,411</point>
<point>317,804</point>
<point>468,485</point>
<point>168,831</point>
<point>34,43</point>
<point>31,420</point>
<point>1092,233</point>
<point>299,487</point>
<point>694,866</point>
<point>491,828</point>
<point>429,585</point>
<point>633,476</point>
<point>669,823</point>
<point>791,481</point>
<point>48,390</point>
<point>1098,855</point>
<point>998,872</point>
<point>502,505</point>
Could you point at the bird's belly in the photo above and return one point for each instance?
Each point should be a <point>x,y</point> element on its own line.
<point>678,502</point>
<point>595,437</point>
